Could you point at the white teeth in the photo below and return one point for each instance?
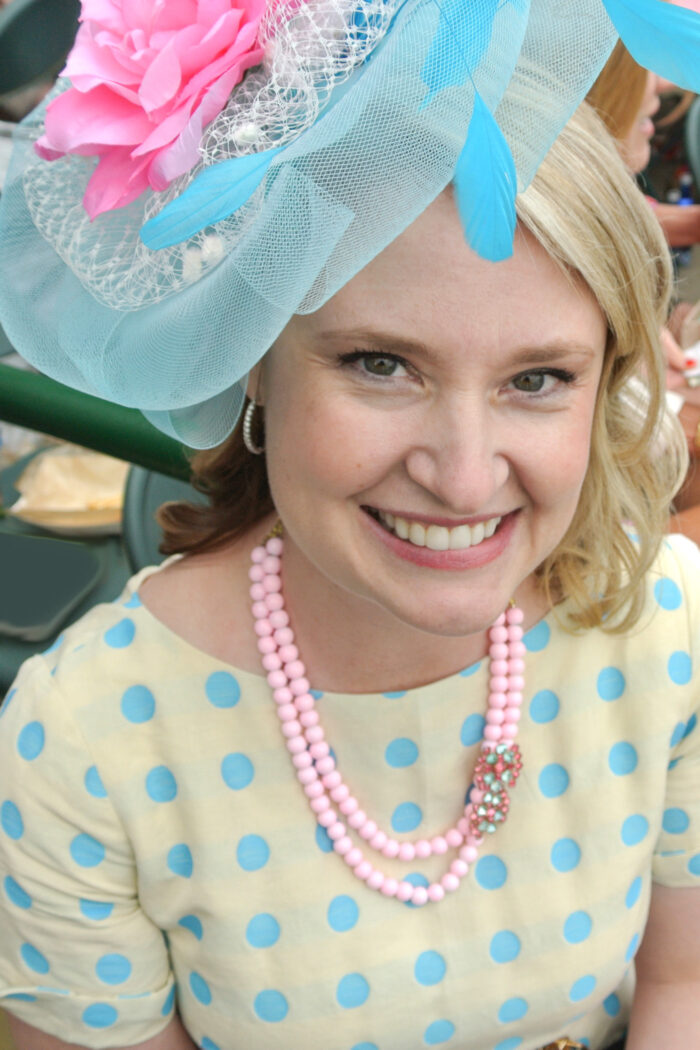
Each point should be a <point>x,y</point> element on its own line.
<point>438,537</point>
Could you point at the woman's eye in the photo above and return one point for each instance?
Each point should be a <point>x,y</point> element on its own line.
<point>543,381</point>
<point>530,382</point>
<point>380,366</point>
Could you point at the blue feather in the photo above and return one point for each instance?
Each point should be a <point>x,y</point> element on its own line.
<point>214,194</point>
<point>485,187</point>
<point>661,36</point>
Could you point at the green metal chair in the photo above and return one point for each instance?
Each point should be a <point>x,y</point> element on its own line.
<point>35,37</point>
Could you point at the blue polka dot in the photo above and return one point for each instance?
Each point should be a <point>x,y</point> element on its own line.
<point>22,997</point>
<point>676,821</point>
<point>504,947</point>
<point>343,913</point>
<point>565,855</point>
<point>694,865</point>
<point>667,593</point>
<point>472,730</point>
<point>93,783</point>
<point>469,671</point>
<point>365,1046</point>
<point>610,683</point>
<point>33,959</point>
<point>200,989</point>
<point>30,742</point>
<point>56,644</point>
<point>96,910</point>
<point>673,763</point>
<point>511,1043</point>
<point>512,1010</point>
<point>680,667</point>
<point>252,852</point>
<point>612,1005</point>
<point>237,771</point>
<point>134,602</point>
<point>692,722</point>
<point>193,924</point>
<point>430,968</point>
<point>634,829</point>
<point>582,988</point>
<point>553,780</point>
<point>113,968</point>
<point>138,704</point>
<point>491,872</point>
<point>677,734</point>
<point>87,851</point>
<point>537,638</point>
<point>316,693</point>
<point>622,759</point>
<point>633,893</point>
<point>438,1032</point>
<point>262,931</point>
<point>121,635</point>
<point>100,1015</point>
<point>180,860</point>
<point>16,894</point>
<point>271,1006</point>
<point>222,689</point>
<point>11,820</point>
<point>323,839</point>
<point>406,817</point>
<point>544,706</point>
<point>352,991</point>
<point>577,927</point>
<point>631,948</point>
<point>169,1002</point>
<point>396,695</point>
<point>207,1044</point>
<point>401,752</point>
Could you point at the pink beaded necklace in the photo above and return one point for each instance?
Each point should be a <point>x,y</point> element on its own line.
<point>497,767</point>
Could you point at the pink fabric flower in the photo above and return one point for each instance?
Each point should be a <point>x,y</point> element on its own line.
<point>147,77</point>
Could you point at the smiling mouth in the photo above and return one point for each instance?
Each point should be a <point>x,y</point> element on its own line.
<point>435,537</point>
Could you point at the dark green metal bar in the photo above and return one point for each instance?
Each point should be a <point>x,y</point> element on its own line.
<point>42,404</point>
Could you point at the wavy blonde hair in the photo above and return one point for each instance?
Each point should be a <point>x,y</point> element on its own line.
<point>584,208</point>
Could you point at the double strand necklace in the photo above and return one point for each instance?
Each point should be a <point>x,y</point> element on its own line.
<point>496,771</point>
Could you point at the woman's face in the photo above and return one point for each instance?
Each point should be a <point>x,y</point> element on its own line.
<point>428,429</point>
<point>636,145</point>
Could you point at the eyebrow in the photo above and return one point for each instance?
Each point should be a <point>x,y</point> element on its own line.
<point>390,343</point>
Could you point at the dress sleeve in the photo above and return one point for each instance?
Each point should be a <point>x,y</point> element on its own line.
<point>79,959</point>
<point>677,856</point>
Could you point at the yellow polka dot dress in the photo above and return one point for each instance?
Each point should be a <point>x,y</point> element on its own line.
<point>156,849</point>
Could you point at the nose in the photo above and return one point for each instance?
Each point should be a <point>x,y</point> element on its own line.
<point>459,456</point>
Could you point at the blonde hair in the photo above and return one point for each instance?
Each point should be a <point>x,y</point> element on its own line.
<point>586,211</point>
<point>617,94</point>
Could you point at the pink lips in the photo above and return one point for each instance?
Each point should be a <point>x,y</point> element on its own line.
<point>471,558</point>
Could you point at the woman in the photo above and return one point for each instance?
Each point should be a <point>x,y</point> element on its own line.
<point>441,437</point>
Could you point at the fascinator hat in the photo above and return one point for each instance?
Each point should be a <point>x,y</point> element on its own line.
<point>205,169</point>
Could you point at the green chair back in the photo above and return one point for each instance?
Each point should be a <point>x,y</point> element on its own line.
<point>35,37</point>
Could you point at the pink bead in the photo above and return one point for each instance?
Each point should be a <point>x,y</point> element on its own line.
<point>404,891</point>
<point>299,686</point>
<point>492,733</point>
<point>515,633</point>
<point>439,844</point>
<point>378,840</point>
<point>499,621</point>
<point>517,683</point>
<point>276,679</point>
<point>340,793</point>
<point>325,765</point>
<point>376,880</point>
<point>354,857</point>
<point>293,728</point>
<point>274,601</point>
<point>449,882</point>
<point>305,702</point>
<point>463,823</point>
<point>319,749</point>
<point>287,712</point>
<point>279,618</point>
<point>407,851</point>
<point>495,716</point>
<point>368,829</point>
<point>514,699</point>
<point>357,819</point>
<point>327,817</point>
<point>513,714</point>
<point>514,615</point>
<point>499,666</point>
<point>454,838</point>
<point>423,849</point>
<point>274,545</point>
<point>314,789</point>
<point>271,662</point>
<point>287,653</point>
<point>266,645</point>
<point>498,683</point>
<point>260,610</point>
<point>509,731</point>
<point>390,887</point>
<point>295,669</point>
<point>468,854</point>
<point>303,760</point>
<point>258,554</point>
<point>257,592</point>
<point>296,745</point>
<point>284,636</point>
<point>499,651</point>
<point>271,564</point>
<point>498,635</point>
<point>309,718</point>
<point>314,735</point>
<point>308,776</point>
<point>343,846</point>
<point>332,779</point>
<point>390,849</point>
<point>516,666</point>
<point>271,584</point>
<point>256,574</point>
<point>363,870</point>
<point>283,695</point>
<point>419,897</point>
<point>477,796</point>
<point>436,892</point>
<point>517,650</point>
<point>497,700</point>
<point>459,868</point>
<point>336,831</point>
<point>349,806</point>
<point>320,804</point>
